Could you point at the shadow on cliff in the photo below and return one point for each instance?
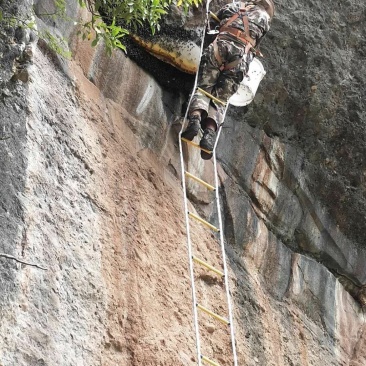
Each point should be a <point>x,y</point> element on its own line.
<point>166,75</point>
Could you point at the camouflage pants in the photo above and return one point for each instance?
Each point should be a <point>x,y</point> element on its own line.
<point>222,84</point>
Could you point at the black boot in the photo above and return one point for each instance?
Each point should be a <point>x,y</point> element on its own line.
<point>193,127</point>
<point>207,142</point>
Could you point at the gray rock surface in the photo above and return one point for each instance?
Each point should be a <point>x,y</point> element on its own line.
<point>90,189</point>
<point>13,160</point>
<point>310,103</point>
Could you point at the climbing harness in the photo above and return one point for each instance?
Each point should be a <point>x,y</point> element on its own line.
<point>229,32</point>
<point>194,260</point>
<point>225,66</point>
<point>237,33</point>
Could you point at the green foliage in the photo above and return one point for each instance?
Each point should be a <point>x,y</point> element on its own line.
<point>96,30</point>
<point>186,4</point>
<point>56,44</point>
<point>131,13</point>
<point>59,45</point>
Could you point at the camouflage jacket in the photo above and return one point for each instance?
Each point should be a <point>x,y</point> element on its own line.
<point>258,20</point>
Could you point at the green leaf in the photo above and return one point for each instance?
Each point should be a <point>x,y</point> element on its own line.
<point>97,5</point>
<point>31,25</point>
<point>132,13</point>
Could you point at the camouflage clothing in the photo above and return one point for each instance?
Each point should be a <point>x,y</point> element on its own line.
<point>224,83</point>
<point>257,17</point>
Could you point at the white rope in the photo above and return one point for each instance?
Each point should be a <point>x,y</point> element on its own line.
<point>222,243</point>
<point>189,243</point>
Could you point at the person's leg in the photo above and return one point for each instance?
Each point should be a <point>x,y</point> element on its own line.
<point>229,81</point>
<point>227,85</point>
<point>208,139</point>
<point>194,124</point>
<point>208,74</point>
<point>209,123</point>
<point>209,70</point>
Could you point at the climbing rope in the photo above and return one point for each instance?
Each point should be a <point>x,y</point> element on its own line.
<point>189,215</point>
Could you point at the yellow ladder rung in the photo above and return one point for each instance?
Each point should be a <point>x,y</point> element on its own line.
<point>208,186</point>
<point>204,222</point>
<point>196,145</point>
<point>214,315</point>
<point>208,266</point>
<point>215,16</point>
<point>211,96</point>
<point>206,359</point>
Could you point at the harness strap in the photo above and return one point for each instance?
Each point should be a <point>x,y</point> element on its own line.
<point>246,25</point>
<point>233,64</point>
<point>237,33</point>
<point>231,20</point>
<point>226,66</point>
<point>243,36</point>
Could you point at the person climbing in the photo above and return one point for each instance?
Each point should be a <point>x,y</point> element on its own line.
<point>224,64</point>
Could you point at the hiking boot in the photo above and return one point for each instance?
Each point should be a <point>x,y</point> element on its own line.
<point>207,142</point>
<point>193,127</point>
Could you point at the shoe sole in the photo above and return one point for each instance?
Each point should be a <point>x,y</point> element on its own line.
<point>206,146</point>
<point>205,155</point>
<point>189,135</point>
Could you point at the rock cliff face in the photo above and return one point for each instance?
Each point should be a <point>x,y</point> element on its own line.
<point>90,190</point>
